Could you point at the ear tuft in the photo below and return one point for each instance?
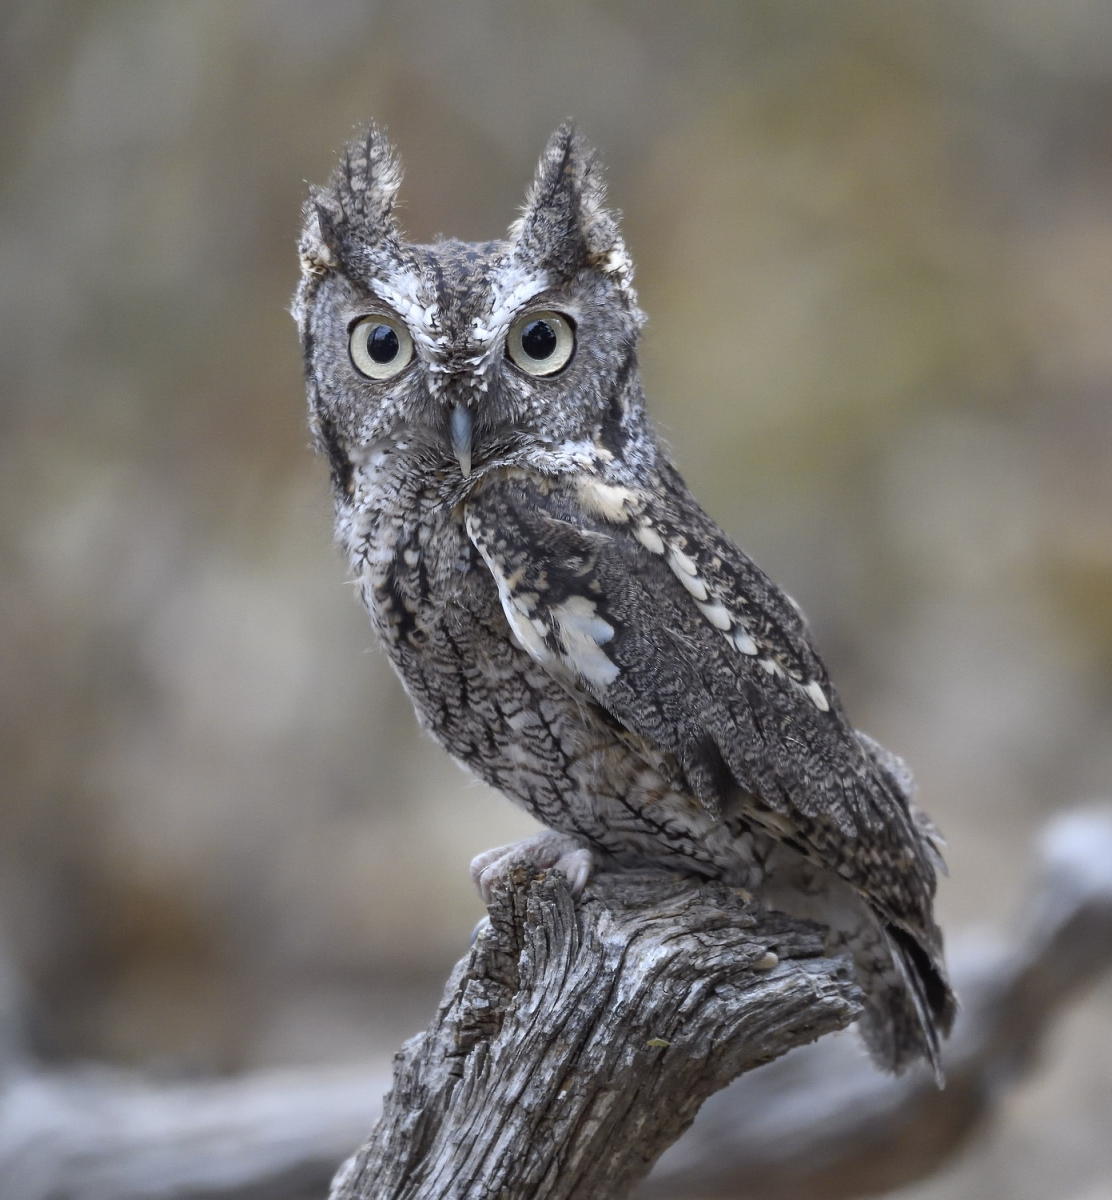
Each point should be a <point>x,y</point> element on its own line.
<point>356,210</point>
<point>565,224</point>
<point>366,182</point>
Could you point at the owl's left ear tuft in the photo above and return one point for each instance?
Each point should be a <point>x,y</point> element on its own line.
<point>565,224</point>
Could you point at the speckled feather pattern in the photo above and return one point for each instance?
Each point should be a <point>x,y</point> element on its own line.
<point>568,622</point>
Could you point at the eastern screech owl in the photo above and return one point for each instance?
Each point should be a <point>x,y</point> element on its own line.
<point>569,623</point>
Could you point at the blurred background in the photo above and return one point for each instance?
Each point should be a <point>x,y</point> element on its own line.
<point>875,245</point>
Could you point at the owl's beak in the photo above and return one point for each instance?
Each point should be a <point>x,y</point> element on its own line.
<point>460,427</point>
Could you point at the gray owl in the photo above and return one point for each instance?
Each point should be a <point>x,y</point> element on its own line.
<point>568,622</point>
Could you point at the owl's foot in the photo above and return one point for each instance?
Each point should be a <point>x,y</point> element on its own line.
<point>547,851</point>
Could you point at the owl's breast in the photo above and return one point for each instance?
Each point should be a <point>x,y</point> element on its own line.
<point>437,612</point>
<point>417,570</point>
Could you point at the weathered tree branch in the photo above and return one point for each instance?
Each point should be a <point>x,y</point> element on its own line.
<point>578,1040</point>
<point>820,1121</point>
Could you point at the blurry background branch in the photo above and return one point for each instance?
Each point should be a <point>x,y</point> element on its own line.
<point>819,1121</point>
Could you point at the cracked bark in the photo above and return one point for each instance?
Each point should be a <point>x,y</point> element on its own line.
<point>578,1040</point>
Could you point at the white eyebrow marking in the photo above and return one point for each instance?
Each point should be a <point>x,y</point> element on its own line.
<point>403,292</point>
<point>512,286</point>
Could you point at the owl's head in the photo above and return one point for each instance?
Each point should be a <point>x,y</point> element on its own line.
<point>466,352</point>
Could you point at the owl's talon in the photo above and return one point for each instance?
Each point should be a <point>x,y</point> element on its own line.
<point>547,851</point>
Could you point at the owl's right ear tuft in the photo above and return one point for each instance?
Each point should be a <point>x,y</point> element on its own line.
<point>355,212</point>
<point>365,186</point>
<point>319,241</point>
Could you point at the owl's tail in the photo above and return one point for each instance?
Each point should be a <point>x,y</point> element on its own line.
<point>910,1006</point>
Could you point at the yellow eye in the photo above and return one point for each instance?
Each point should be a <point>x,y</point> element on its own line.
<point>541,343</point>
<point>380,346</point>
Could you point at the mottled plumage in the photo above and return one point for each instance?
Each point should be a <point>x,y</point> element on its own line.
<point>567,620</point>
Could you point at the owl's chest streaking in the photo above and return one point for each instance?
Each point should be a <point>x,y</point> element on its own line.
<point>499,712</point>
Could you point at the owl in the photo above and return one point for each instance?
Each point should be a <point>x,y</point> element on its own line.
<point>569,623</point>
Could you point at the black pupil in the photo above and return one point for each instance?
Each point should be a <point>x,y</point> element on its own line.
<point>538,339</point>
<point>382,345</point>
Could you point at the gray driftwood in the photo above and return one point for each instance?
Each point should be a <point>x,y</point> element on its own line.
<point>578,1040</point>
<point>819,1121</point>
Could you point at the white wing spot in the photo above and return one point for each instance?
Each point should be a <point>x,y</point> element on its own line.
<point>693,583</point>
<point>583,632</point>
<point>605,500</point>
<point>687,572</point>
<point>718,615</point>
<point>529,634</point>
<point>578,614</point>
<point>744,642</point>
<point>649,538</point>
<point>818,696</point>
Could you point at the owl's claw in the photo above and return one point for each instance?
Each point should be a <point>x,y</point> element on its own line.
<point>547,851</point>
